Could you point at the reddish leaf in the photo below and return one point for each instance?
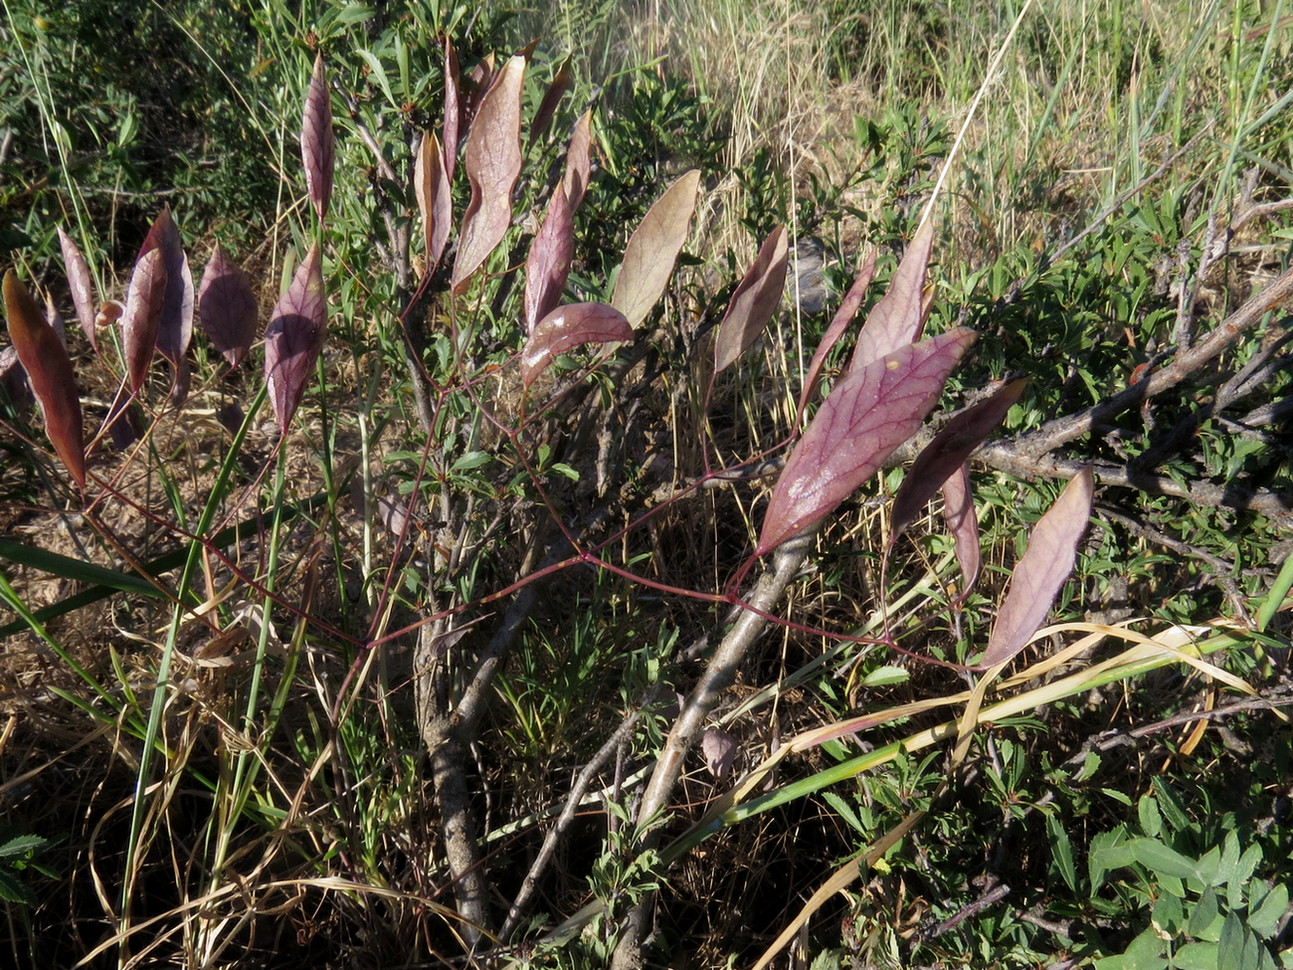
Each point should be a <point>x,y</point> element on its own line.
<point>13,379</point>
<point>754,301</point>
<point>81,285</point>
<point>947,452</point>
<point>1042,569</point>
<point>49,371</point>
<point>551,98</point>
<point>896,319</point>
<point>453,109</point>
<point>294,338</point>
<point>175,324</point>
<point>54,320</point>
<point>963,524</point>
<point>868,414</point>
<point>548,264</point>
<point>719,749</point>
<point>650,254</point>
<point>578,167</point>
<point>145,297</point>
<point>843,317</point>
<point>566,328</point>
<point>318,144</point>
<point>493,161</point>
<point>121,421</point>
<point>435,202</point>
<point>227,307</point>
<point>478,82</point>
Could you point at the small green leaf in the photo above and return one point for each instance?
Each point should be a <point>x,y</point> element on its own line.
<point>1169,802</point>
<point>1090,765</point>
<point>1144,953</point>
<point>561,468</point>
<point>1196,956</point>
<point>1151,821</point>
<point>1205,914</point>
<point>1208,866</point>
<point>844,810</point>
<point>472,459</point>
<point>1266,917</point>
<point>1168,914</point>
<point>21,845</point>
<point>884,676</point>
<point>12,891</point>
<point>1161,859</point>
<point>1231,945</point>
<point>378,73</point>
<point>1062,851</point>
<point>1229,864</point>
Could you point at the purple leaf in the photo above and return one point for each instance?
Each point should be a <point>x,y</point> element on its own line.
<point>548,265</point>
<point>294,338</point>
<point>478,82</point>
<point>121,422</point>
<point>175,324</point>
<point>868,414</point>
<point>81,285</point>
<point>493,161</point>
<point>551,98</point>
<point>896,319</point>
<point>754,301</point>
<point>453,110</point>
<point>435,203</point>
<point>567,327</point>
<point>227,307</point>
<point>54,320</point>
<point>578,165</point>
<point>318,145</point>
<point>1042,569</point>
<point>843,317</point>
<point>145,297</point>
<point>650,253</point>
<point>719,749</point>
<point>947,452</point>
<point>963,524</point>
<point>13,379</point>
<point>49,372</point>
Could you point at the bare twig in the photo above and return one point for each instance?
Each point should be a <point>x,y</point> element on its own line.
<point>718,675</point>
<point>1063,430</point>
<point>1003,456</point>
<point>577,791</point>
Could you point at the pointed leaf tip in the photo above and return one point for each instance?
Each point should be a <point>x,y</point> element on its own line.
<point>492,158</point>
<point>896,319</point>
<point>49,371</point>
<point>175,321</point>
<point>318,143</point>
<point>81,285</point>
<point>227,307</point>
<point>868,414</point>
<point>1041,571</point>
<point>435,203</point>
<point>947,452</point>
<point>754,301</point>
<point>294,338</point>
<point>141,318</point>
<point>548,266</point>
<point>653,248</point>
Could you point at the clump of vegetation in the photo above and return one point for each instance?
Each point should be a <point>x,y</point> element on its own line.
<point>518,567</point>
